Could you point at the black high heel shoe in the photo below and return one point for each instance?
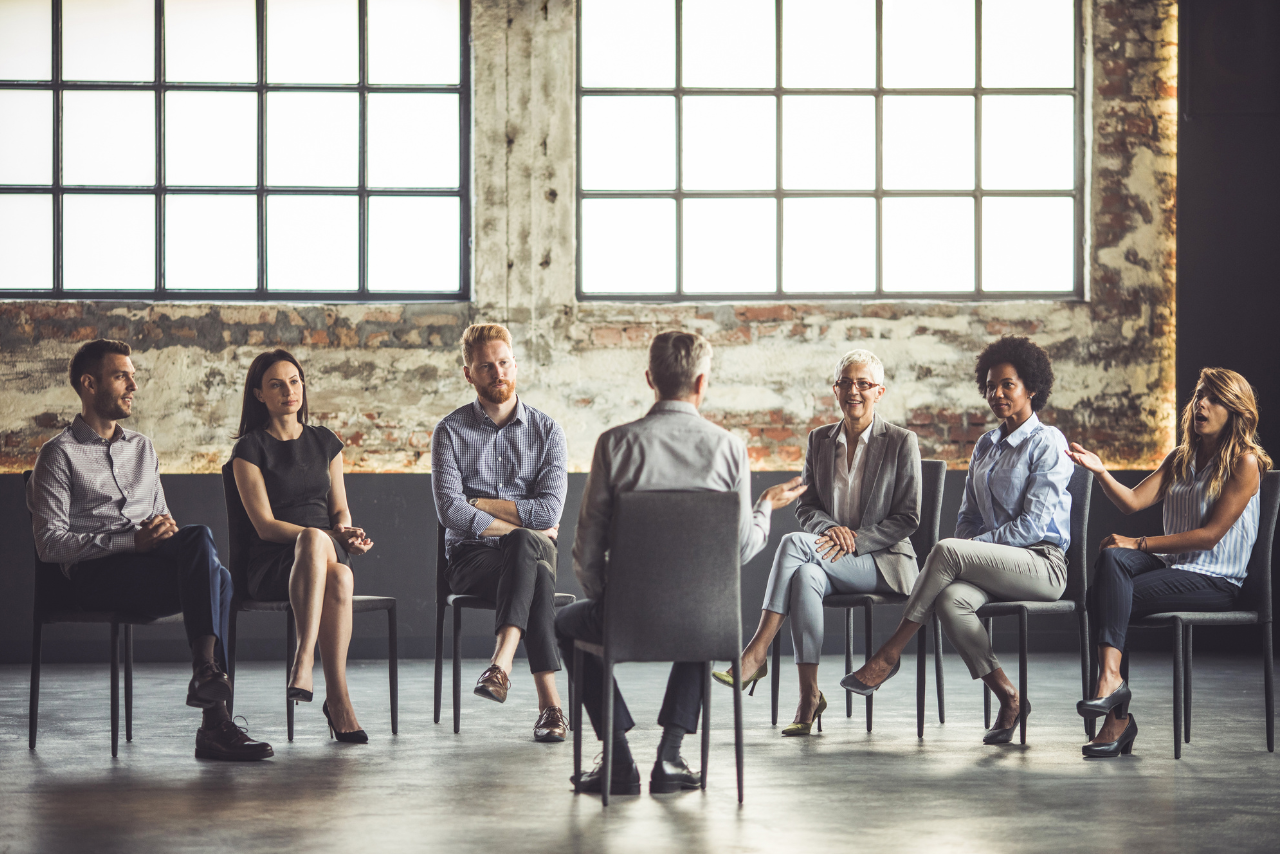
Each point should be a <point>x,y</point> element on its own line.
<point>298,695</point>
<point>857,686</point>
<point>1004,735</point>
<point>1112,749</point>
<point>1098,707</point>
<point>355,737</point>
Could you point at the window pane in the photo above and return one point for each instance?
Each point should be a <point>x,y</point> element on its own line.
<point>829,245</point>
<point>730,245</point>
<point>313,139</point>
<point>730,143</point>
<point>25,40</point>
<point>829,44</point>
<point>210,41</point>
<point>413,140</point>
<point>729,43</point>
<point>108,40</point>
<point>828,142</point>
<point>413,41</point>
<point>109,138</point>
<point>1028,142</point>
<point>629,246</point>
<point>628,44</point>
<point>928,244</point>
<point>928,43</point>
<point>211,243</point>
<point>1028,244</point>
<point>629,143</point>
<point>928,142</point>
<point>108,243</point>
<point>211,139</point>
<point>26,137</point>
<point>312,41</point>
<point>1028,43</point>
<point>26,242</point>
<point>312,243</point>
<point>413,243</point>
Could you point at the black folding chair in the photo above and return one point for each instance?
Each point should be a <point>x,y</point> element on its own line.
<point>239,527</point>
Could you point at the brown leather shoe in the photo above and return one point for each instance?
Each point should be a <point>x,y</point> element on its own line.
<point>493,684</point>
<point>230,742</point>
<point>551,725</point>
<point>208,687</point>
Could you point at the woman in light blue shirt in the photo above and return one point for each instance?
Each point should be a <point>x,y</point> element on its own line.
<point>1011,537</point>
<point>1209,485</point>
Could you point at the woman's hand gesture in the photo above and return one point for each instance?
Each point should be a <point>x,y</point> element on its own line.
<point>1081,456</point>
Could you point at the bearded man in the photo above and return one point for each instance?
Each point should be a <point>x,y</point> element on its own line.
<point>499,477</point>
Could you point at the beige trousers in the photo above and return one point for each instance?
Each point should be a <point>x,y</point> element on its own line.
<point>960,576</point>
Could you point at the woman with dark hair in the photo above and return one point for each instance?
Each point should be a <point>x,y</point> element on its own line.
<point>1209,485</point>
<point>289,475</point>
<point>1012,535</point>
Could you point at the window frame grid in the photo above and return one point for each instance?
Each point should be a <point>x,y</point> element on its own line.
<point>977,91</point>
<point>261,190</point>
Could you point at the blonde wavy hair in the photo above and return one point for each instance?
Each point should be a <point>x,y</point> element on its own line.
<point>1239,438</point>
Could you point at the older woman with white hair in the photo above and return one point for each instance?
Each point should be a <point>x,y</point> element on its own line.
<point>861,508</point>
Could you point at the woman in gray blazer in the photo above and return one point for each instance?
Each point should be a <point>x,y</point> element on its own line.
<point>862,505</point>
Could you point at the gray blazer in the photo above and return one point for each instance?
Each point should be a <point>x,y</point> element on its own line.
<point>890,496</point>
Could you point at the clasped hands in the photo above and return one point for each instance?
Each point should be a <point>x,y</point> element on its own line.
<point>353,539</point>
<point>836,542</point>
<point>152,531</point>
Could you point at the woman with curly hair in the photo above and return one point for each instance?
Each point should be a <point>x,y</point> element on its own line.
<point>1011,537</point>
<point>1209,485</point>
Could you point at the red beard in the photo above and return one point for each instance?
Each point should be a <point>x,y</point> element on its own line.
<point>497,394</point>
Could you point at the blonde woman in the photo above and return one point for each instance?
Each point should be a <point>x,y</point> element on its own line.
<point>1209,485</point>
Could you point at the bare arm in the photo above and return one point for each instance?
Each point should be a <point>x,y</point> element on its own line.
<point>353,539</point>
<point>253,494</point>
<point>1127,500</point>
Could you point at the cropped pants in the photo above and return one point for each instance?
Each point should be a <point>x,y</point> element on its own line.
<point>960,576</point>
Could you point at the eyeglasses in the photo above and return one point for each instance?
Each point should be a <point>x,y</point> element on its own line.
<point>861,385</point>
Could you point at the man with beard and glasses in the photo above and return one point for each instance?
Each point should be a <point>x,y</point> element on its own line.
<point>98,510</point>
<point>499,477</point>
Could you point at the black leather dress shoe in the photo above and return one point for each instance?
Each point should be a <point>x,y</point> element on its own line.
<point>675,776</point>
<point>1117,699</point>
<point>1004,735</point>
<point>208,687</point>
<point>857,686</point>
<point>1112,749</point>
<point>626,781</point>
<point>229,742</point>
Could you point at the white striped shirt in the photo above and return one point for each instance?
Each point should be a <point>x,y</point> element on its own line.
<point>1186,507</point>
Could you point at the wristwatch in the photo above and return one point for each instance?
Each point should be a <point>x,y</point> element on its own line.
<point>472,501</point>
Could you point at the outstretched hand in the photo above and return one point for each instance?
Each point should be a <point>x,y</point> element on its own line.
<point>784,493</point>
<point>1085,458</point>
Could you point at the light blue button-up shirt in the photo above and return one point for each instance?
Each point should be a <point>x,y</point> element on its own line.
<point>1016,491</point>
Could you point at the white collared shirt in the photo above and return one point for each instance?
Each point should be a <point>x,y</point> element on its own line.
<point>847,479</point>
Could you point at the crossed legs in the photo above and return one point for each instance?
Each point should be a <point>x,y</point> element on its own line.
<point>321,590</point>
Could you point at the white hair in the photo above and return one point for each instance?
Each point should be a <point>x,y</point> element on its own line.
<point>861,358</point>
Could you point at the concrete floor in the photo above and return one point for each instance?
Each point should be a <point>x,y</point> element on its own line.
<point>492,787</point>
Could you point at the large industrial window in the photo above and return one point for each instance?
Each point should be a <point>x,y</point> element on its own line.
<point>233,149</point>
<point>762,148</point>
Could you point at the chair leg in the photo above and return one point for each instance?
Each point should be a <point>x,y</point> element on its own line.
<point>922,660</point>
<point>1186,684</point>
<point>775,679</point>
<point>706,720</point>
<point>231,659</point>
<point>575,714</point>
<point>1268,664</point>
<point>1022,671</point>
<point>115,689</point>
<point>1177,688</point>
<point>848,658</point>
<point>439,657</point>
<point>33,712</point>
<point>868,630</point>
<point>128,682</point>
<point>457,669</point>
<point>572,694</point>
<point>986,692</point>
<point>737,730</point>
<point>606,770</point>
<point>290,644</point>
<point>393,668</point>
<point>1085,666</point>
<point>937,668</point>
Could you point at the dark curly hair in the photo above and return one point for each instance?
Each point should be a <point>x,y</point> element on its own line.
<point>1027,358</point>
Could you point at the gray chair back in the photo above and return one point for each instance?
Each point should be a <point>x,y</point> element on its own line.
<point>933,477</point>
<point>1081,489</point>
<point>1255,594</point>
<point>240,533</point>
<point>672,590</point>
<point>52,589</point>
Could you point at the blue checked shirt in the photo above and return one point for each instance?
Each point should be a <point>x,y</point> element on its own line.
<point>524,461</point>
<point>1016,490</point>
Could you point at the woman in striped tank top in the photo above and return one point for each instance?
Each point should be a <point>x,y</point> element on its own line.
<point>1209,485</point>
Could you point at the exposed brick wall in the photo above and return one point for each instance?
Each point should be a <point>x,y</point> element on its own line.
<point>382,376</point>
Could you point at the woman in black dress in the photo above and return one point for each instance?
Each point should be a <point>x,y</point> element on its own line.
<point>289,475</point>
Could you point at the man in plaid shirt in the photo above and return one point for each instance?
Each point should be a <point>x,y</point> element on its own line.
<point>498,471</point>
<point>98,510</point>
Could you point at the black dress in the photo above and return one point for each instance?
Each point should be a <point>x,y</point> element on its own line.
<point>296,474</point>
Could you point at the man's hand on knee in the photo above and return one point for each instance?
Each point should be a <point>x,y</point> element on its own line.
<point>154,530</point>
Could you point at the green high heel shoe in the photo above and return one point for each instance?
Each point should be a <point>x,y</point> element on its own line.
<point>724,677</point>
<point>804,728</point>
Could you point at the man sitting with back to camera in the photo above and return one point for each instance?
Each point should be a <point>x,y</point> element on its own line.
<point>671,448</point>
<point>98,510</point>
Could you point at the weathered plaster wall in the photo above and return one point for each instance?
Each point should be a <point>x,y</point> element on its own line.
<point>383,375</point>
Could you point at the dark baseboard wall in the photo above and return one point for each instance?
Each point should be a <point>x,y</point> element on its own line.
<point>399,513</point>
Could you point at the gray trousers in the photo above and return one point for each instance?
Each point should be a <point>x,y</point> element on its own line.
<point>799,580</point>
<point>960,576</point>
